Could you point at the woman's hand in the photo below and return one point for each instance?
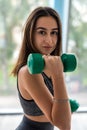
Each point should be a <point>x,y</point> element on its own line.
<point>53,65</point>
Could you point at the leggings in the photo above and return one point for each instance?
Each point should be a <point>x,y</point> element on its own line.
<point>27,124</point>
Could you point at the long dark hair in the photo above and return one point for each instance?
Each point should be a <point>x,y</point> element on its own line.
<point>27,43</point>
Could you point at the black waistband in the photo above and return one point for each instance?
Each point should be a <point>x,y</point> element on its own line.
<point>27,120</point>
<point>37,125</point>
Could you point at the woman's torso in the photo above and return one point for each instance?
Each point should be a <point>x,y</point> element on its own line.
<point>26,95</point>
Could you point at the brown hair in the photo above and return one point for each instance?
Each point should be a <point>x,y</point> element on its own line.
<point>27,43</point>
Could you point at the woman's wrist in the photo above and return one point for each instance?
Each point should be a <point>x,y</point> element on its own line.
<point>56,77</point>
<point>59,87</point>
<point>60,100</point>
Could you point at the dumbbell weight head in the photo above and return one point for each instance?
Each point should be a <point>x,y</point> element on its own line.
<point>69,62</point>
<point>74,105</point>
<point>36,63</point>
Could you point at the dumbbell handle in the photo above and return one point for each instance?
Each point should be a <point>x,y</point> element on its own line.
<point>36,62</point>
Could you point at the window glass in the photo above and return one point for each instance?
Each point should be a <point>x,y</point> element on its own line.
<point>13,14</point>
<point>77,44</point>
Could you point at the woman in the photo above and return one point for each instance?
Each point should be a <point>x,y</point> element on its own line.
<point>43,97</point>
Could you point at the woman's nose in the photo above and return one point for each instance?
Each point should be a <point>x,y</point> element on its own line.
<point>48,39</point>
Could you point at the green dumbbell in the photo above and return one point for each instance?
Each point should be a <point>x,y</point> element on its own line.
<point>36,63</point>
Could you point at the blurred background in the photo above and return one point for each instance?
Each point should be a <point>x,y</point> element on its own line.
<point>13,14</point>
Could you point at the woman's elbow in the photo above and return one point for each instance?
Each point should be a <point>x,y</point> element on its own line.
<point>62,125</point>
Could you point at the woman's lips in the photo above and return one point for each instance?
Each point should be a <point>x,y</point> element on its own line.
<point>47,47</point>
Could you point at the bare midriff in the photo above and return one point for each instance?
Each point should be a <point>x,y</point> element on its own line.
<point>41,118</point>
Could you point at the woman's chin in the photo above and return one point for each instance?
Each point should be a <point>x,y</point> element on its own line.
<point>45,53</point>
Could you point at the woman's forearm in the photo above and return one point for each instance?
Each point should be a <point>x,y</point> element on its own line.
<point>61,112</point>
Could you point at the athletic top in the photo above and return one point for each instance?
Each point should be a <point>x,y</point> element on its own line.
<point>29,106</point>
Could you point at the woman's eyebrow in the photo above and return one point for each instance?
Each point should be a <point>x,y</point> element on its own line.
<point>46,28</point>
<point>55,29</point>
<point>41,28</point>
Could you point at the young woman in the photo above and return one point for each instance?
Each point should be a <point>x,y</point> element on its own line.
<point>43,96</point>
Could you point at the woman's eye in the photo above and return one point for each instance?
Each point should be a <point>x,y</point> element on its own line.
<point>42,32</point>
<point>54,33</point>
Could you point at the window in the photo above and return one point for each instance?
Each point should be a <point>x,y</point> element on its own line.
<point>12,18</point>
<point>77,80</point>
<point>13,14</point>
<point>77,38</point>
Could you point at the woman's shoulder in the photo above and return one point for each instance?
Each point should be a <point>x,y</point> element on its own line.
<point>23,71</point>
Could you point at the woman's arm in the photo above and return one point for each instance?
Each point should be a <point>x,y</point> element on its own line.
<point>61,106</point>
<point>61,111</point>
<point>58,113</point>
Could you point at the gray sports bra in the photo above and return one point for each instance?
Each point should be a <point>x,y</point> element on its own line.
<point>29,106</point>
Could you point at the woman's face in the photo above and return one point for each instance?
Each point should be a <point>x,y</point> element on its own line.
<point>46,35</point>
